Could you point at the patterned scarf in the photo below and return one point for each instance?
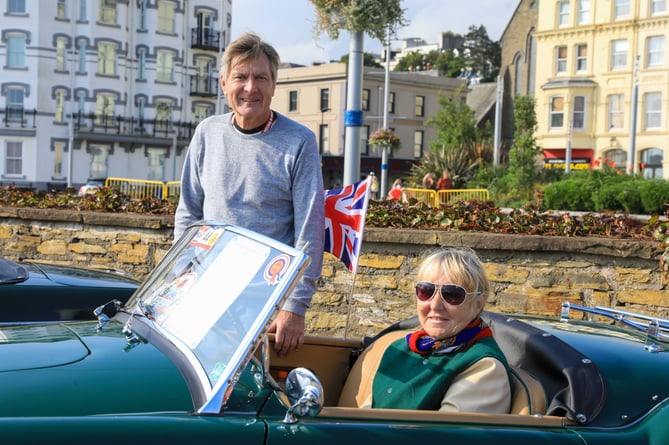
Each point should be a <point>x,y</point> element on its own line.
<point>421,343</point>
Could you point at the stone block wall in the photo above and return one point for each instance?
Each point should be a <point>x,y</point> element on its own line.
<point>529,274</point>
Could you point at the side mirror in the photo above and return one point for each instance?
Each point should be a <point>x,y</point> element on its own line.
<point>305,393</point>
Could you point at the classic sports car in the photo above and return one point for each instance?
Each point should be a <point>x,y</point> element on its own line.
<point>188,360</point>
<point>32,291</point>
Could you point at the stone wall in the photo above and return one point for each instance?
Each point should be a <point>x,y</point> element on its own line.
<point>530,274</point>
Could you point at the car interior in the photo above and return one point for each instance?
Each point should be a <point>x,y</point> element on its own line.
<point>552,383</point>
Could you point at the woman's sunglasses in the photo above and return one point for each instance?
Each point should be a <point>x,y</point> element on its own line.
<point>452,294</point>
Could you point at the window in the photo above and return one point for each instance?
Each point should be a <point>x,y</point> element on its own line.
<point>16,51</point>
<point>616,111</point>
<point>325,99</point>
<point>15,104</point>
<point>165,66</point>
<point>142,15</point>
<point>292,101</point>
<point>391,102</point>
<point>202,111</point>
<point>58,150</point>
<point>141,69</point>
<point>166,17</point>
<point>81,69</point>
<point>104,111</point>
<point>157,158</point>
<point>653,104</point>
<point>99,155</point>
<point>518,74</point>
<point>83,12</point>
<point>163,115</point>
<point>107,13</point>
<point>618,157</point>
<point>365,99</point>
<point>583,11</point>
<point>581,58</point>
<point>621,9</point>
<point>420,106</point>
<point>324,138</point>
<point>560,60</point>
<point>651,163</point>
<point>16,6</point>
<point>578,113</point>
<point>60,106</point>
<point>655,51</point>
<point>658,6</point>
<point>61,64</point>
<point>81,108</point>
<point>619,54</point>
<point>14,158</point>
<point>364,140</point>
<point>418,138</point>
<point>106,59</point>
<point>61,9</point>
<point>557,112</point>
<point>563,14</point>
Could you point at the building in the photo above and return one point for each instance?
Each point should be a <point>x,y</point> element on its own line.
<point>316,97</point>
<point>602,84</point>
<point>93,89</point>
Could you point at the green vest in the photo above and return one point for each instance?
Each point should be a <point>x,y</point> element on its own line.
<point>407,380</point>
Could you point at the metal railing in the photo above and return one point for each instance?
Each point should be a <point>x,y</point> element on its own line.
<point>434,198</point>
<point>137,188</point>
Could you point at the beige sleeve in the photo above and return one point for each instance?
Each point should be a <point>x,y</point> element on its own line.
<point>484,387</point>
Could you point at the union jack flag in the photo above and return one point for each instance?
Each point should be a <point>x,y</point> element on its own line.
<point>345,211</point>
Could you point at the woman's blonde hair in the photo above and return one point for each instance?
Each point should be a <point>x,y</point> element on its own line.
<point>461,265</point>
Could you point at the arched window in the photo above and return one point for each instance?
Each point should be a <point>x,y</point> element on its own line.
<point>616,158</point>
<point>518,74</point>
<point>651,163</point>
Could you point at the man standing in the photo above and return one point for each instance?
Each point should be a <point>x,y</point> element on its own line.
<point>258,169</point>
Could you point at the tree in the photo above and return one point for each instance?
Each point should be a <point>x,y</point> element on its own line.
<point>373,17</point>
<point>481,54</point>
<point>522,172</point>
<point>367,60</point>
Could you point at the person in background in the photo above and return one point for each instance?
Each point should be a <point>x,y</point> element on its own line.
<point>375,186</point>
<point>452,363</point>
<point>396,190</point>
<point>428,181</point>
<point>444,183</point>
<point>258,169</point>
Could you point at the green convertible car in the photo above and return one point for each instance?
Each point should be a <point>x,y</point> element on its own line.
<point>188,360</point>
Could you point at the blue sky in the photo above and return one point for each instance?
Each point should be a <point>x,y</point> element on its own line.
<point>288,24</point>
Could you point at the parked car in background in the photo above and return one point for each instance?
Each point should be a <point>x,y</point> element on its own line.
<point>188,360</point>
<point>92,186</point>
<point>32,291</point>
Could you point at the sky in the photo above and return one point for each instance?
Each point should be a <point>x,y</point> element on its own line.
<point>288,25</point>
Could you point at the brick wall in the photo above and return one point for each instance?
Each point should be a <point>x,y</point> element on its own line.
<point>531,274</point>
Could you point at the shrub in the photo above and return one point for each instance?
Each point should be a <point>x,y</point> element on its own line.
<point>654,195</point>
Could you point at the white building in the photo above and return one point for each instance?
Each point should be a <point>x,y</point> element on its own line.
<point>103,88</point>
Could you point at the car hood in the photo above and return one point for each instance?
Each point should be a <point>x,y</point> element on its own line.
<point>73,276</point>
<point>78,369</point>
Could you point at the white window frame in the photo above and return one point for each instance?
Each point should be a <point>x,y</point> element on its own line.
<point>107,12</point>
<point>653,110</point>
<point>561,59</point>
<point>621,9</point>
<point>16,51</point>
<point>60,106</point>
<point>61,60</point>
<point>165,66</point>
<point>556,120</point>
<point>418,144</point>
<point>16,6</point>
<point>166,16</point>
<point>581,58</point>
<point>107,58</point>
<point>14,101</point>
<point>104,109</point>
<point>578,112</point>
<point>583,12</point>
<point>658,7</point>
<point>563,13</point>
<point>619,50</point>
<point>655,51</point>
<point>83,48</point>
<point>13,158</point>
<point>616,111</point>
<point>99,156</point>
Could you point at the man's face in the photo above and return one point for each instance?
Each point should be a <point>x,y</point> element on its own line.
<point>250,87</point>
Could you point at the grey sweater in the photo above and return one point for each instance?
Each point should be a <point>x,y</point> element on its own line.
<point>269,182</point>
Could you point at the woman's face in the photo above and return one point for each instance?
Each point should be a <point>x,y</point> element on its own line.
<point>441,320</point>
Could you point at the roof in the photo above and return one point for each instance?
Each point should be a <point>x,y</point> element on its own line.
<point>481,98</point>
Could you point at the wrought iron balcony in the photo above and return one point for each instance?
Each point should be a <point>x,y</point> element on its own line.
<point>18,117</point>
<point>203,38</point>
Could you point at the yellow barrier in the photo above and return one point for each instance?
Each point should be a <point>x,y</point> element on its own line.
<point>172,188</point>
<point>449,196</point>
<point>137,188</point>
<point>426,196</point>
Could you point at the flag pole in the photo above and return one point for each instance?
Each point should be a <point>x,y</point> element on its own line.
<point>350,306</point>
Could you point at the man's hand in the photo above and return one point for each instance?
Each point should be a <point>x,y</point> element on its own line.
<point>289,328</point>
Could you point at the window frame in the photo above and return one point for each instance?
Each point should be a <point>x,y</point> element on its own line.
<point>581,60</point>
<point>563,13</point>
<point>165,66</point>
<point>618,55</point>
<point>658,7</point>
<point>652,54</point>
<point>561,59</point>
<point>418,144</point>
<point>652,116</point>
<point>166,17</point>
<point>106,61</point>
<point>583,13</point>
<point>578,112</point>
<point>621,9</point>
<point>419,107</point>
<point>555,114</point>
<point>292,101</point>
<point>16,50</point>
<point>615,114</point>
<point>13,160</point>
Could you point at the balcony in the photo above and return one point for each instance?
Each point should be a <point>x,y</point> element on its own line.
<point>205,86</point>
<point>18,117</point>
<point>206,39</point>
